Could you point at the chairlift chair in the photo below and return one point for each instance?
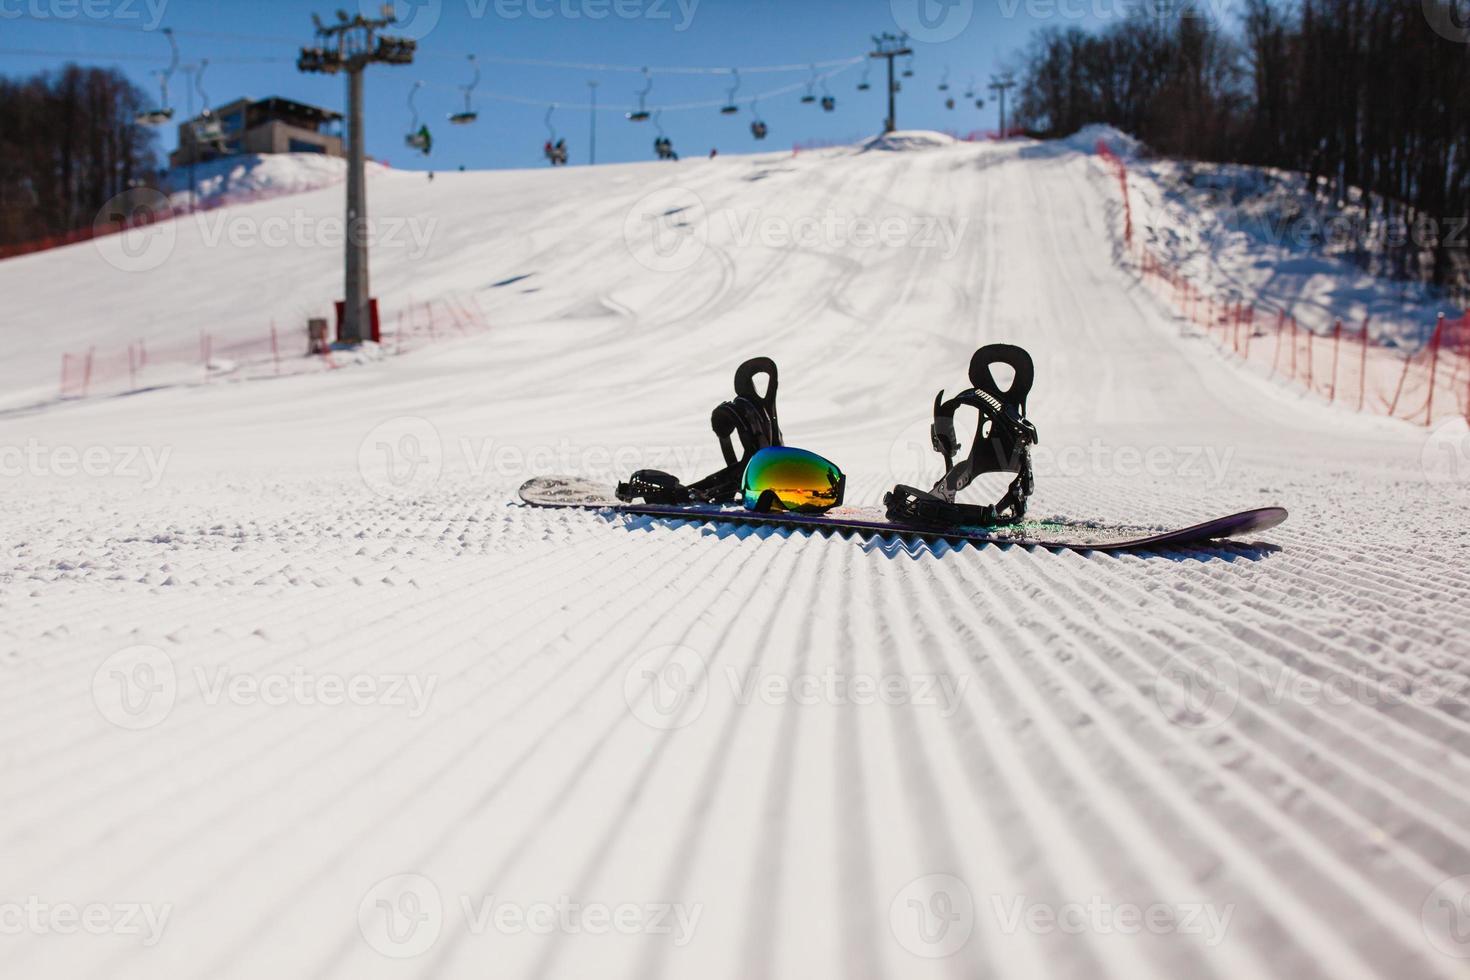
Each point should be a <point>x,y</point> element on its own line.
<point>207,129</point>
<point>810,96</point>
<point>908,67</point>
<point>864,85</point>
<point>418,137</point>
<point>663,147</point>
<point>944,81</point>
<point>758,127</point>
<point>469,114</point>
<point>163,112</point>
<point>556,147</point>
<point>730,108</point>
<point>829,103</point>
<point>641,114</point>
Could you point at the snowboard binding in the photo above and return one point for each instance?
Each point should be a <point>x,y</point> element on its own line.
<point>749,417</point>
<point>1003,441</point>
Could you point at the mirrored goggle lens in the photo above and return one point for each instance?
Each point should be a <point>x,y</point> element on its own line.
<point>782,478</point>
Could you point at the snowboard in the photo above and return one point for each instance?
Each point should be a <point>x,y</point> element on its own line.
<point>571,492</point>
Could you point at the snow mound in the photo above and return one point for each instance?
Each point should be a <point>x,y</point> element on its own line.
<point>908,140</point>
<point>256,174</point>
<point>1085,140</point>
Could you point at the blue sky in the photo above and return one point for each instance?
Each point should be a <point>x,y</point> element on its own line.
<point>967,37</point>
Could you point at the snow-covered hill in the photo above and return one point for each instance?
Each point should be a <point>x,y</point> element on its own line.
<point>293,685</point>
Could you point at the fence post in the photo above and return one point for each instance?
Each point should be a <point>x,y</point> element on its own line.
<point>275,347</point>
<point>1276,357</point>
<point>1363,365</point>
<point>1433,368</point>
<point>132,370</point>
<point>87,372</point>
<point>1311,335</point>
<point>1336,347</point>
<point>64,359</point>
<point>1293,346</point>
<point>1250,329</point>
<point>204,351</point>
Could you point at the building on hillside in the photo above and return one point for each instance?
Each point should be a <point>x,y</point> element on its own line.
<point>273,125</point>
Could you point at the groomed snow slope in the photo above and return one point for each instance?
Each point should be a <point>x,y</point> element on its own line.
<point>1244,761</point>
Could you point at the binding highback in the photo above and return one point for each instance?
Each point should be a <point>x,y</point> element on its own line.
<point>748,419</point>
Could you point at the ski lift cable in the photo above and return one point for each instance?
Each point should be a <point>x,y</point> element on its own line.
<point>490,59</point>
<point>673,107</point>
<point>43,53</point>
<point>671,70</point>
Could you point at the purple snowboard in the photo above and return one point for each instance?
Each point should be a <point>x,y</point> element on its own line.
<point>1075,535</point>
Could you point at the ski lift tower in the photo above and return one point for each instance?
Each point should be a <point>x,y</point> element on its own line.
<point>890,46</point>
<point>1000,84</point>
<point>350,45</point>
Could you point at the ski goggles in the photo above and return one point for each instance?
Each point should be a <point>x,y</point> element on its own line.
<point>783,478</point>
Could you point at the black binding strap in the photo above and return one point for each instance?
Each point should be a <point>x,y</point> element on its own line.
<point>1003,441</point>
<point>749,417</point>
